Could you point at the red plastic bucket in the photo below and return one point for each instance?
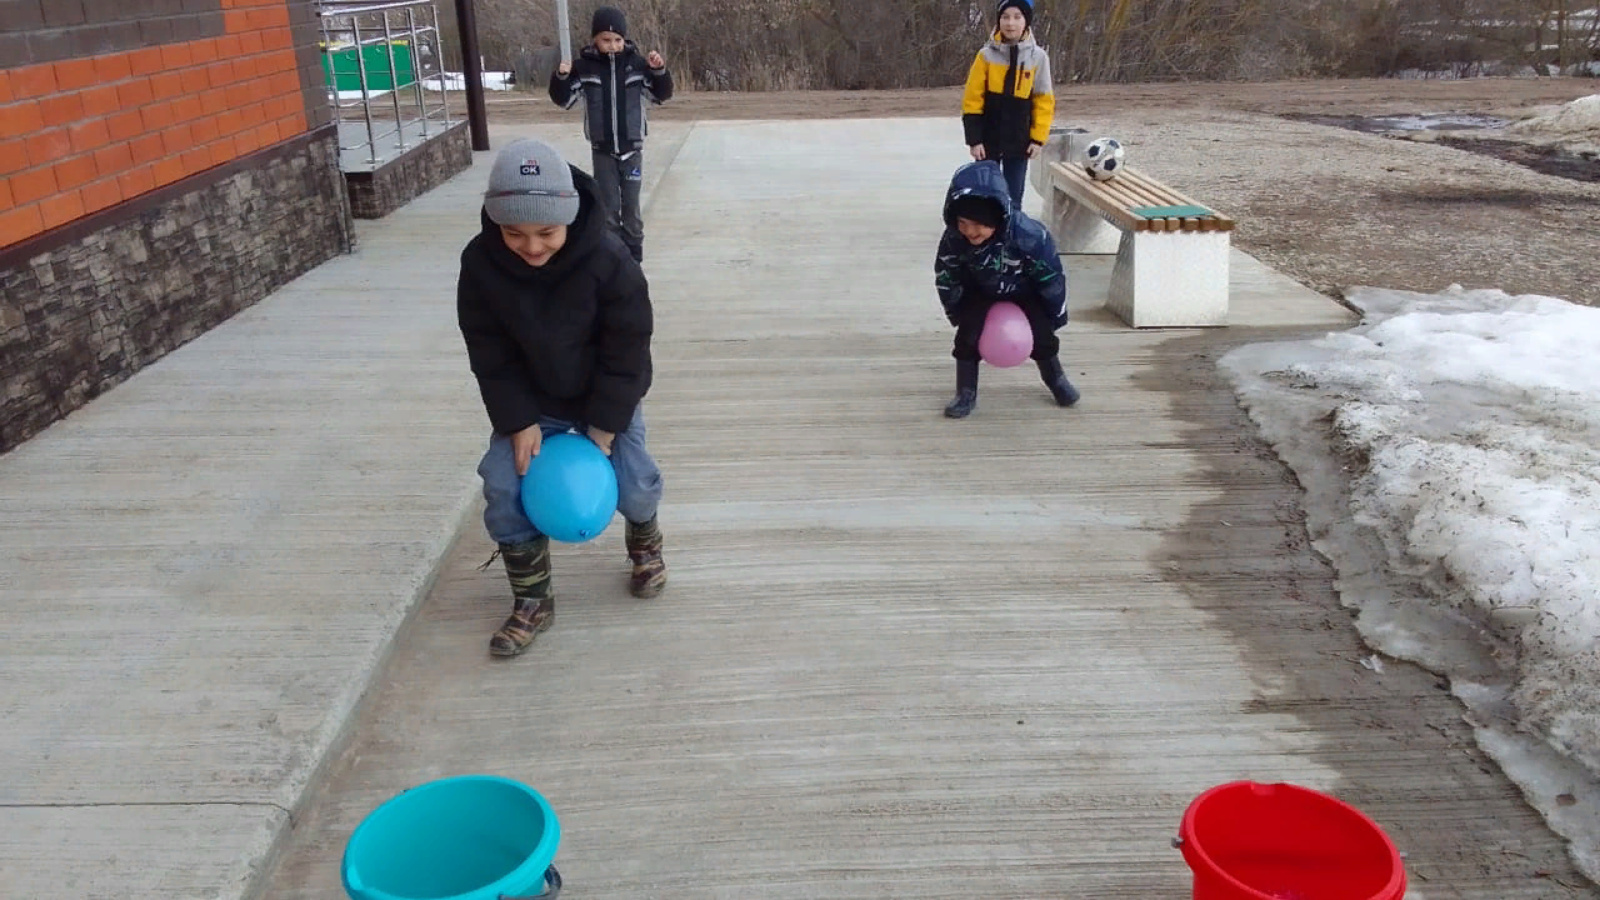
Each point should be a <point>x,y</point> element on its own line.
<point>1249,841</point>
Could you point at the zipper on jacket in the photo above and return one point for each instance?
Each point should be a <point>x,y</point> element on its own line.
<point>616,110</point>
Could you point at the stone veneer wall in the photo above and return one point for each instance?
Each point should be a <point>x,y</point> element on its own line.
<point>83,308</point>
<point>374,195</point>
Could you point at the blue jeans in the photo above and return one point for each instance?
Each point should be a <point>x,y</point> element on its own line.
<point>638,480</point>
<point>1015,169</point>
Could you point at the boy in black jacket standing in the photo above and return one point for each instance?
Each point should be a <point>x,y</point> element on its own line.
<point>613,80</point>
<point>557,321</point>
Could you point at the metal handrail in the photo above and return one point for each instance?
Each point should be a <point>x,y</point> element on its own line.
<point>340,18</point>
<point>400,127</point>
<point>378,40</point>
<point>359,8</point>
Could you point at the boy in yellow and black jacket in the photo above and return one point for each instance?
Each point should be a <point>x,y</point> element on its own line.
<point>1009,101</point>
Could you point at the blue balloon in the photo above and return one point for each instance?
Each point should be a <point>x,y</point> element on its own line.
<point>570,490</point>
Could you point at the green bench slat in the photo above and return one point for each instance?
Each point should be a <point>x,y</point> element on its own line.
<point>1171,212</point>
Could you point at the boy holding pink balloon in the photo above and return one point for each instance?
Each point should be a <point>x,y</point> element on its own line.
<point>557,321</point>
<point>1002,286</point>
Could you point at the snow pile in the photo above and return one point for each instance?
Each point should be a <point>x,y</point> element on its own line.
<point>455,81</point>
<point>1578,119</point>
<point>1450,448</point>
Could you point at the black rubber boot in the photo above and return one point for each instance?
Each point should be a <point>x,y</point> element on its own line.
<point>966,390</point>
<point>1056,380</point>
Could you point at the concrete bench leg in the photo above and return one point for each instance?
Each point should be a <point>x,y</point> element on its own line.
<point>1172,279</point>
<point>1078,228</point>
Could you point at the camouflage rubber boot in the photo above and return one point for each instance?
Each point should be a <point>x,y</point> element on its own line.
<point>534,603</point>
<point>644,549</point>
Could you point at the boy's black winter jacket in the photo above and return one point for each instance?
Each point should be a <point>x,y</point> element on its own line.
<point>570,339</point>
<point>614,89</point>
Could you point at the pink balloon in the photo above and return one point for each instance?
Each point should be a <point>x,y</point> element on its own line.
<point>1007,339</point>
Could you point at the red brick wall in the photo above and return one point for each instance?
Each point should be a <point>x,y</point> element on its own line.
<point>79,135</point>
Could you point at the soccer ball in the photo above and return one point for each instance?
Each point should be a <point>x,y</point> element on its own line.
<point>1102,159</point>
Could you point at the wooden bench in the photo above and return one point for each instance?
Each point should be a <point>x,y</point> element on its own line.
<point>1172,253</point>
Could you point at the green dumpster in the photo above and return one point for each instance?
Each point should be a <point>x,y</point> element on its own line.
<point>344,76</point>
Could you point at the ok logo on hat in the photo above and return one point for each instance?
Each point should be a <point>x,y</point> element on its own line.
<point>529,167</point>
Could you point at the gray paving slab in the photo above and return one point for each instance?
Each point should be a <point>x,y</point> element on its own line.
<point>907,657</point>
<point>200,570</point>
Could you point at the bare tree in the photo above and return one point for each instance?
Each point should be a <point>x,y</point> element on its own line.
<point>846,44</point>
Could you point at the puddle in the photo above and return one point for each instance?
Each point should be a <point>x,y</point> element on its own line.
<point>1546,160</point>
<point>1409,122</point>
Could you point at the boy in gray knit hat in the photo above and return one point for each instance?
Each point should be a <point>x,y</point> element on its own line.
<point>557,320</point>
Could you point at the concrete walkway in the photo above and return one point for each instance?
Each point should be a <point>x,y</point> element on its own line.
<point>901,657</point>
<point>201,569</point>
<point>908,657</point>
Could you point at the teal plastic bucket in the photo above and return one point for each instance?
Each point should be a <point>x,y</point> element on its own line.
<point>473,837</point>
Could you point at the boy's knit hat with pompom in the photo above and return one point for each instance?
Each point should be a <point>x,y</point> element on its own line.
<point>1023,6</point>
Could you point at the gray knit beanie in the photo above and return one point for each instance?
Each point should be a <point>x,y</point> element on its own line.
<point>531,184</point>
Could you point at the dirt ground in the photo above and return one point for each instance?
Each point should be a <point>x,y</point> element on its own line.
<point>1328,206</point>
<point>1357,96</point>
